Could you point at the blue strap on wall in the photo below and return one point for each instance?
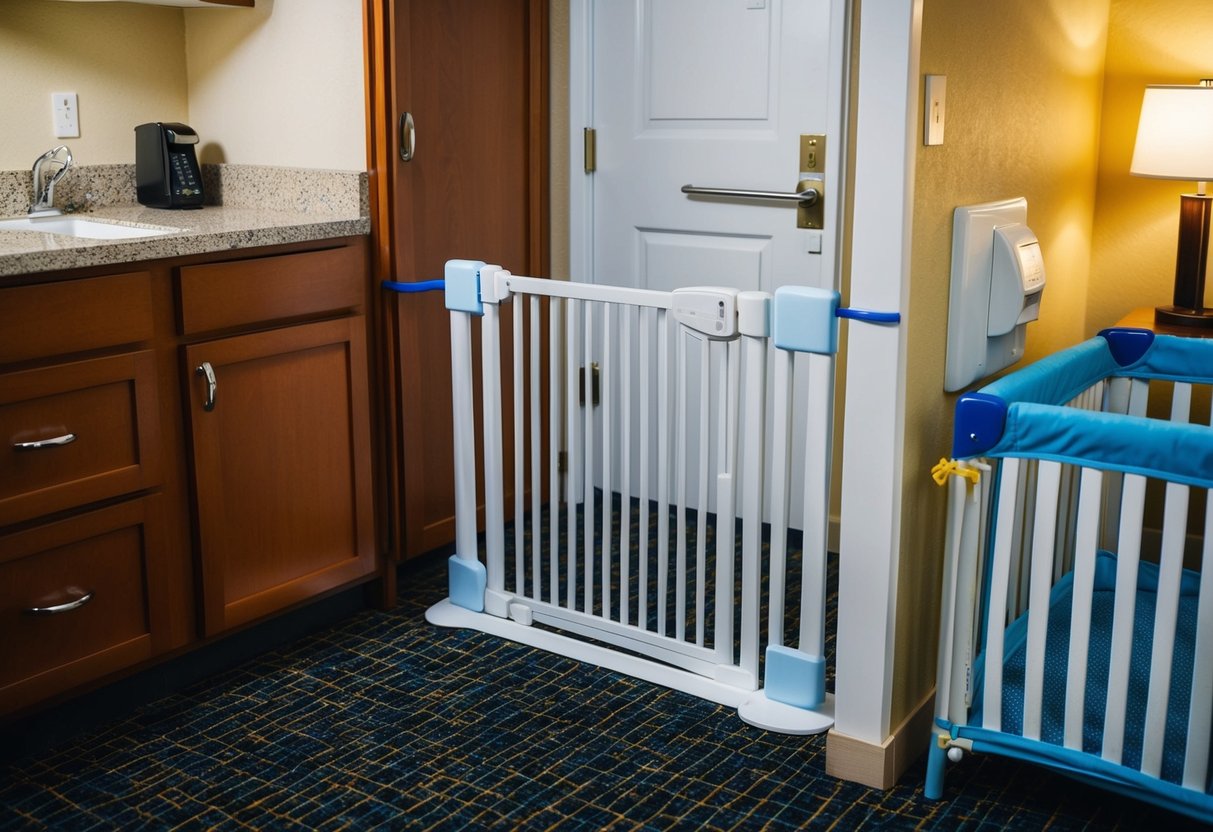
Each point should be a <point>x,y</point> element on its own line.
<point>417,286</point>
<point>868,315</point>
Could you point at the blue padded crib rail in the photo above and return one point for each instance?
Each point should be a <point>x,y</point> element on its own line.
<point>1024,414</point>
<point>1056,411</point>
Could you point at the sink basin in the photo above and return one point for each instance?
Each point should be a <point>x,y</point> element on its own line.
<point>81,227</point>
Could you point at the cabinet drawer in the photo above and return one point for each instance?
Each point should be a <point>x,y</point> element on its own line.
<point>241,292</point>
<point>103,412</point>
<point>76,600</point>
<point>74,315</point>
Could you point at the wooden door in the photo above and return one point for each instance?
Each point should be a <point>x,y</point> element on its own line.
<point>472,75</point>
<point>281,467</point>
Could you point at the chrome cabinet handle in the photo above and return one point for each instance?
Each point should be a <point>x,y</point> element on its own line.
<point>807,196</point>
<point>58,608</point>
<point>205,369</point>
<point>408,137</point>
<point>65,439</point>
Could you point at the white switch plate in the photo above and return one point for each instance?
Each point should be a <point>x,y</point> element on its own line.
<point>935,109</point>
<point>64,107</point>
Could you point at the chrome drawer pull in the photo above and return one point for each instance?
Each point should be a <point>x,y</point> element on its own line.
<point>65,439</point>
<point>58,608</point>
<point>205,369</point>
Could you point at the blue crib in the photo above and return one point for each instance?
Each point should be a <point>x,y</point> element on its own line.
<point>1077,622</point>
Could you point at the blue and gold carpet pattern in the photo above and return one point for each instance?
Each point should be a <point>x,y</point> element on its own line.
<point>384,721</point>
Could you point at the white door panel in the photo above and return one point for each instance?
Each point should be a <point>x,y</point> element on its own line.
<point>672,259</point>
<point>712,93</point>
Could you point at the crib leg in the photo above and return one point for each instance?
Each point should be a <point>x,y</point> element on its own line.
<point>937,762</point>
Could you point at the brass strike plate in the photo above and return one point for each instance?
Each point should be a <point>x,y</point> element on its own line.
<point>812,155</point>
<point>812,175</point>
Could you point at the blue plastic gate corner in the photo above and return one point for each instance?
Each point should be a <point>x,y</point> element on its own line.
<point>803,319</point>
<point>794,678</point>
<point>463,285</point>
<point>466,582</point>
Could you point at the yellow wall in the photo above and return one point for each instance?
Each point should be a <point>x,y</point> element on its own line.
<point>125,62</point>
<point>1024,82</point>
<point>280,84</point>
<point>1136,219</point>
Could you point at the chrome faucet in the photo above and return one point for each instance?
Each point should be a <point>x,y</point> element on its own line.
<point>44,195</point>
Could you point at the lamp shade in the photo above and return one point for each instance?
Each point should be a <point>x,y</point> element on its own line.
<point>1175,134</point>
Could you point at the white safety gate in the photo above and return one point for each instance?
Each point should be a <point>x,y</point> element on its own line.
<point>638,440</point>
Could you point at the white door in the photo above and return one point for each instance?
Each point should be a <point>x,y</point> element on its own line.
<point>716,94</point>
<point>710,93</point>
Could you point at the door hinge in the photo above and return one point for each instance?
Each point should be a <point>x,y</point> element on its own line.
<point>562,462</point>
<point>590,139</point>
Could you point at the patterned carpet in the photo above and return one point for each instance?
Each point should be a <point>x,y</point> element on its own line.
<point>383,721</point>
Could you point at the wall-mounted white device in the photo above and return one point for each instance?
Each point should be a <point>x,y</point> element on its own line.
<point>998,278</point>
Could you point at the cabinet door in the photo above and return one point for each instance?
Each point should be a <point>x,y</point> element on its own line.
<point>282,467</point>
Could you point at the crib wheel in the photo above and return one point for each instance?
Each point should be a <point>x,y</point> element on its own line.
<point>956,754</point>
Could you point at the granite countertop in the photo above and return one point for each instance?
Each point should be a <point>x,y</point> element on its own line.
<point>247,206</point>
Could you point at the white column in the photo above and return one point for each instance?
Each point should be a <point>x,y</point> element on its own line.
<point>885,141</point>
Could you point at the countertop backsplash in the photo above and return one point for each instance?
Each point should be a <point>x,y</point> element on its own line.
<point>86,188</point>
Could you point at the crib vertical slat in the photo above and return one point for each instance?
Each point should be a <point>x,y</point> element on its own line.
<point>607,372</point>
<point>587,410</point>
<point>1000,580</point>
<point>819,429</point>
<point>754,361</point>
<point>1022,551</point>
<point>1090,494</point>
<point>536,426</point>
<point>1166,613</point>
<point>519,396</point>
<point>1139,396</point>
<point>555,400</point>
<point>572,320</point>
<point>625,461</point>
<point>781,475</point>
<point>1200,719</point>
<point>1175,516</point>
<point>1128,553</point>
<point>967,506</point>
<point>664,325</point>
<point>701,511</point>
<point>494,481</point>
<point>1048,484</point>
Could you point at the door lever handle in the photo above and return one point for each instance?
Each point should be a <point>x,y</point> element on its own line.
<point>807,196</point>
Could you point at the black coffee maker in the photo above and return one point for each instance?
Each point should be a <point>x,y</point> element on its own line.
<point>166,168</point>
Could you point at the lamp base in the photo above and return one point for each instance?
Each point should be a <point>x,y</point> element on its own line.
<point>1179,316</point>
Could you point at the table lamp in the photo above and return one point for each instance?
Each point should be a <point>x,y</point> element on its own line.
<point>1175,141</point>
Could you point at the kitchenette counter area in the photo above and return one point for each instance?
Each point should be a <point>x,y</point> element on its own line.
<point>247,206</point>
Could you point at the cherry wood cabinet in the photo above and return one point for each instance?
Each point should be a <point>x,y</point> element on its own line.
<point>281,467</point>
<point>136,522</point>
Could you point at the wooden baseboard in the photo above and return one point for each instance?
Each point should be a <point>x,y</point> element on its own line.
<point>880,766</point>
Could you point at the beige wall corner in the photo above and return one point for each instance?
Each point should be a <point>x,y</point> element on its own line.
<point>880,766</point>
<point>1023,119</point>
